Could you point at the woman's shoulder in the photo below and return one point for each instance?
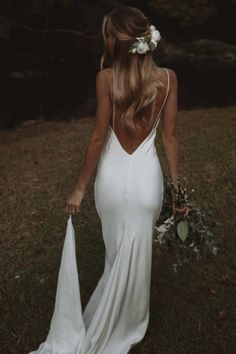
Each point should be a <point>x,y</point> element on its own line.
<point>172,74</point>
<point>105,73</point>
<point>104,77</point>
<point>173,79</point>
<point>104,80</point>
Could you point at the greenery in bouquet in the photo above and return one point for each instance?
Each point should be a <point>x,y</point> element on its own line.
<point>189,235</point>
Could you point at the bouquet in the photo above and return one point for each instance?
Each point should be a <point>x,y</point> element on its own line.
<point>189,235</point>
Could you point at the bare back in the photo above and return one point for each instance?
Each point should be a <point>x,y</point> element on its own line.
<point>130,144</point>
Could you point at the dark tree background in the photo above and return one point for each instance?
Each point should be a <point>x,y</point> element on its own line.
<point>50,53</point>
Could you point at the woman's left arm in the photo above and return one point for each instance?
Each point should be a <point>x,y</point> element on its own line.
<point>96,142</point>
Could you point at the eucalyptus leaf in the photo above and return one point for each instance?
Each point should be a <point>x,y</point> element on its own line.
<point>182,230</point>
<point>151,45</point>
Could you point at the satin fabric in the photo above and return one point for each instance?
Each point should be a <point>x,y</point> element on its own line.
<point>128,193</point>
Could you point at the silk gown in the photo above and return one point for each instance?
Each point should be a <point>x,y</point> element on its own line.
<point>128,194</point>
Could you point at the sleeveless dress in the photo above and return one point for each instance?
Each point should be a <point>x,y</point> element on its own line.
<point>128,191</point>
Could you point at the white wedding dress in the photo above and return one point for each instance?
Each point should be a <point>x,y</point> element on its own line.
<point>128,192</point>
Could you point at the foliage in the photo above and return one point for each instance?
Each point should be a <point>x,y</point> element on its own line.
<point>187,16</point>
<point>186,235</point>
<point>87,15</point>
<point>208,47</point>
<point>4,28</point>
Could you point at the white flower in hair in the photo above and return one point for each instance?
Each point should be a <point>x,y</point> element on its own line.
<point>146,43</point>
<point>142,48</point>
<point>155,36</point>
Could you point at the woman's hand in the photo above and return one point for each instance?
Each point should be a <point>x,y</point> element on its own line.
<point>74,201</point>
<point>184,210</point>
<point>179,197</point>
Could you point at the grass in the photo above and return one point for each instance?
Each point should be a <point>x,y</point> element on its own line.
<point>39,164</point>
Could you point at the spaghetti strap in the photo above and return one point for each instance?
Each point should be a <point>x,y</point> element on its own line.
<point>113,112</point>
<point>167,91</point>
<point>168,84</point>
<point>163,103</point>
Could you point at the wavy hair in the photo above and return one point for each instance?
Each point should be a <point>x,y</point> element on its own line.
<point>136,84</point>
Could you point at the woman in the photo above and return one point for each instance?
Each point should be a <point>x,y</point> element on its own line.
<point>132,96</point>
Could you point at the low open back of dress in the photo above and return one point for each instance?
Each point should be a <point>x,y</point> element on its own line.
<point>156,121</point>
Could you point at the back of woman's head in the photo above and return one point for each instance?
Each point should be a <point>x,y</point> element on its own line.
<point>136,83</point>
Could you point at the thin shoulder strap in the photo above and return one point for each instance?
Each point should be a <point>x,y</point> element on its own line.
<point>167,90</point>
<point>113,111</point>
<point>163,103</point>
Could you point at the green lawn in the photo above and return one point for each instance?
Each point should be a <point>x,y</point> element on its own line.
<point>39,164</point>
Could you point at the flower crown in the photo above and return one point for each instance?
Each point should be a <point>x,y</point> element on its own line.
<point>146,43</point>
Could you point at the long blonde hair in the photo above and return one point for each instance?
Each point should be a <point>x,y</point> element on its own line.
<point>136,83</point>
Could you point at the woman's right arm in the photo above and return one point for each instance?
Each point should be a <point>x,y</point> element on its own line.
<point>170,137</point>
<point>169,127</point>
